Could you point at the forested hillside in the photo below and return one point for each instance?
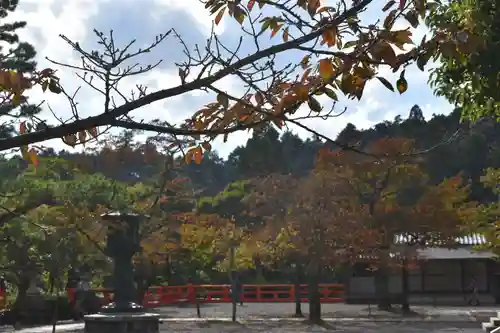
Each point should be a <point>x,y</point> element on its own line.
<point>453,147</point>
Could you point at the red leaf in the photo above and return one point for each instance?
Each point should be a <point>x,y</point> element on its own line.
<point>402,4</point>
<point>22,127</point>
<point>250,4</point>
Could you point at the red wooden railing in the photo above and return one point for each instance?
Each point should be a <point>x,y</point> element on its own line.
<point>252,293</point>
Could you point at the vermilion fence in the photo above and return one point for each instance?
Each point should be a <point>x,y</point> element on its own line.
<point>166,295</point>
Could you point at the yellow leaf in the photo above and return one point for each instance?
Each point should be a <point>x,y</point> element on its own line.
<point>16,99</point>
<point>218,18</point>
<point>304,62</point>
<point>326,69</point>
<point>33,157</point>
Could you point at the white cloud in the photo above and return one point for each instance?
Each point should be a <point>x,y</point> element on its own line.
<point>48,18</point>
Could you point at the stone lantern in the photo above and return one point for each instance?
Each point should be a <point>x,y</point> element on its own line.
<point>123,314</point>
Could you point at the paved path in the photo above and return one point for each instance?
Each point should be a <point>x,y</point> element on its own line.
<point>276,318</point>
<point>270,327</point>
<point>286,310</point>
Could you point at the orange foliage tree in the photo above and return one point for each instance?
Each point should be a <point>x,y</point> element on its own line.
<point>388,180</point>
<point>315,219</point>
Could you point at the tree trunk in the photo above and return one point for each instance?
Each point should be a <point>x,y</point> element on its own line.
<point>405,288</point>
<point>299,274</point>
<point>314,295</point>
<point>22,291</point>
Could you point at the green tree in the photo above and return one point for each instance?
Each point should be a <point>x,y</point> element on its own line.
<point>18,56</point>
<point>469,79</point>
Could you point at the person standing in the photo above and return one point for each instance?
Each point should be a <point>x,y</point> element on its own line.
<point>474,293</point>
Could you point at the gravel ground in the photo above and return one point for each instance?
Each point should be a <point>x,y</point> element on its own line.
<point>183,327</point>
<point>276,318</point>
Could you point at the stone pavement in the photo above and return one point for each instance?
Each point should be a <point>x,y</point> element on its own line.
<point>275,327</point>
<point>275,317</point>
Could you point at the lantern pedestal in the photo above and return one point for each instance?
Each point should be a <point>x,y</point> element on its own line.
<point>123,315</point>
<point>122,323</point>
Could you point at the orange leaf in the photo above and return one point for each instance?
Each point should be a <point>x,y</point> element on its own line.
<point>198,154</point>
<point>285,35</point>
<point>22,127</point>
<point>326,69</point>
<point>219,15</point>
<point>330,37</point>
<point>33,158</point>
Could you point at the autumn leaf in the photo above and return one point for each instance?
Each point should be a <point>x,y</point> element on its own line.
<point>326,69</point>
<point>93,132</point>
<point>330,37</point>
<point>250,4</point>
<point>386,83</point>
<point>305,62</point>
<point>259,98</point>
<point>22,127</point>
<point>402,4</point>
<point>285,35</point>
<point>402,85</point>
<point>219,16</point>
<point>207,146</point>
<point>312,6</point>
<point>188,157</point>
<point>33,158</point>
<point>82,135</point>
<point>198,154</point>
<point>70,140</point>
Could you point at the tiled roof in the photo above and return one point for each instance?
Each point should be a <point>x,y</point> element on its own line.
<point>471,240</point>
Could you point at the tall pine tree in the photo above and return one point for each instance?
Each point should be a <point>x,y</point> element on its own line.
<point>18,56</point>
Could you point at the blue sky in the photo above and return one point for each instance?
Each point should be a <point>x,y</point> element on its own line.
<point>142,20</point>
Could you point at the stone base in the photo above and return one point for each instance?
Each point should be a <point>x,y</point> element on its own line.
<point>122,323</point>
